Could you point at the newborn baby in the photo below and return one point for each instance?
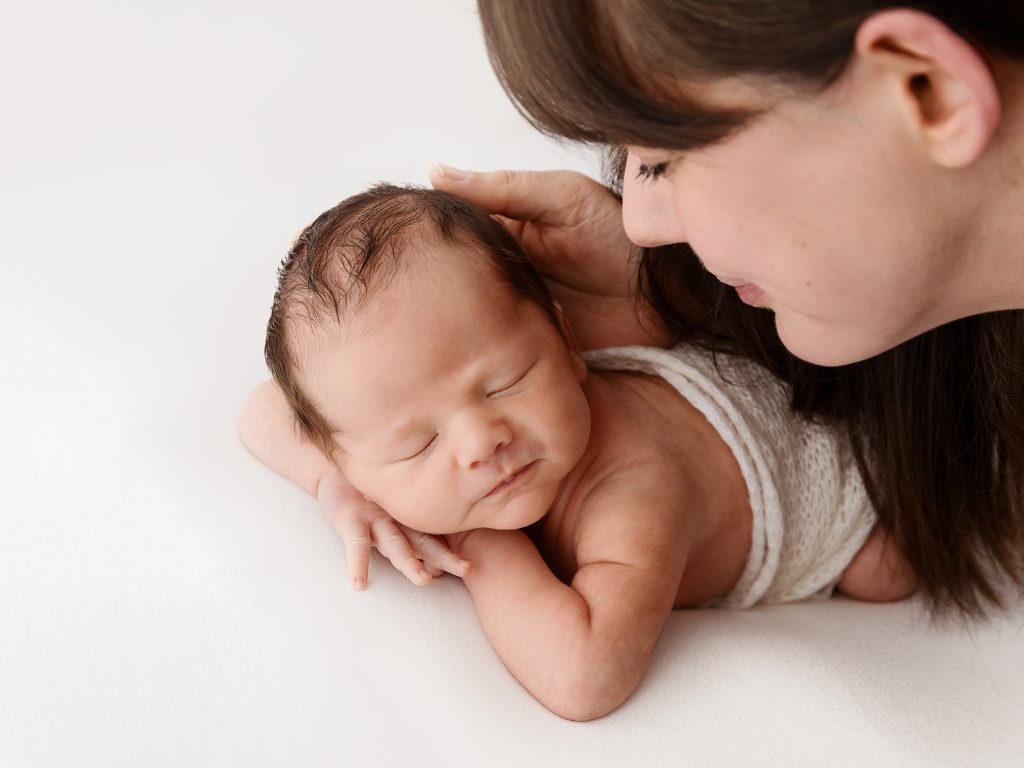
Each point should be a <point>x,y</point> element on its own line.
<point>422,354</point>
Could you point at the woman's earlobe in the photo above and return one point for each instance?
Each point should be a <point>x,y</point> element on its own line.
<point>946,85</point>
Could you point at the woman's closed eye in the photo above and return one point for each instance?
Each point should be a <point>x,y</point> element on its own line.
<point>651,172</point>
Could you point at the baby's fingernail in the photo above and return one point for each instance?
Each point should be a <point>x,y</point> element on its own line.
<point>466,566</point>
<point>450,173</point>
<point>360,583</point>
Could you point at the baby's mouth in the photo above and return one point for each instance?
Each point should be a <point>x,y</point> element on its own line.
<point>510,480</point>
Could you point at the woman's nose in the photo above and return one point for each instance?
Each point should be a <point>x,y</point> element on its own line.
<point>648,210</point>
<point>480,439</point>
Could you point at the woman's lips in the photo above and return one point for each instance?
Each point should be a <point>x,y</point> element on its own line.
<point>750,294</point>
<point>511,480</point>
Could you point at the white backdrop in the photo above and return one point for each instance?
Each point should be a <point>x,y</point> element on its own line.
<point>164,599</point>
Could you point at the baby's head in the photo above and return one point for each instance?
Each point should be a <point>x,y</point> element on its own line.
<point>422,353</point>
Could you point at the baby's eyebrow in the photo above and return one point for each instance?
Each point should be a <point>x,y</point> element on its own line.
<point>391,433</point>
<point>395,429</point>
<point>400,430</point>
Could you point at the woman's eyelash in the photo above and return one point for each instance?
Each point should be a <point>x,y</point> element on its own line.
<point>652,172</point>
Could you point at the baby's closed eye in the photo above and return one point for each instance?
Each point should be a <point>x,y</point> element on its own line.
<point>505,389</point>
<point>421,451</point>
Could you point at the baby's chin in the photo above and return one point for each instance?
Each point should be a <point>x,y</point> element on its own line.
<point>520,511</point>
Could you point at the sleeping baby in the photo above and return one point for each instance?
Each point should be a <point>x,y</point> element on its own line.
<point>592,493</point>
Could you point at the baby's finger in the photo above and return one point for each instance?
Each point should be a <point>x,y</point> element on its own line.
<point>435,572</point>
<point>356,535</point>
<point>435,552</point>
<point>392,543</point>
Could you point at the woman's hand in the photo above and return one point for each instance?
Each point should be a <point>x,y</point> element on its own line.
<point>362,524</point>
<point>571,228</point>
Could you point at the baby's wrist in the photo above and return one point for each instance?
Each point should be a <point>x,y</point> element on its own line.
<point>456,540</point>
<point>460,542</point>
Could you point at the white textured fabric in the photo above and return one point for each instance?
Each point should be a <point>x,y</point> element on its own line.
<point>811,512</point>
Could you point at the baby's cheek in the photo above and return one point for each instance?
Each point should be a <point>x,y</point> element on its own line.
<point>417,504</point>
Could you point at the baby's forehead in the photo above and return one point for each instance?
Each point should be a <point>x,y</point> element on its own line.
<point>384,367</point>
<point>450,276</point>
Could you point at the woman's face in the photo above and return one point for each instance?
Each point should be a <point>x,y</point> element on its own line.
<point>822,207</point>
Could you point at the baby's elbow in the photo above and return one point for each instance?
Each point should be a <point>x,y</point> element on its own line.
<point>256,419</point>
<point>586,694</point>
<point>244,423</point>
<point>582,711</point>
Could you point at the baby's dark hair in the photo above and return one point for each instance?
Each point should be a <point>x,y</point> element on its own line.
<point>355,248</point>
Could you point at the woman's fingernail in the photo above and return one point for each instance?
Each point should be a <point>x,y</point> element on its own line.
<point>450,173</point>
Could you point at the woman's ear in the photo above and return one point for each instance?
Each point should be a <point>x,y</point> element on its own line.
<point>944,86</point>
<point>572,346</point>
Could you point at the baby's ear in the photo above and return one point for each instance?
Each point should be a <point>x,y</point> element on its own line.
<point>571,345</point>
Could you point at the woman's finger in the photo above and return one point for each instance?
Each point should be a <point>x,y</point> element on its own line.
<point>551,196</point>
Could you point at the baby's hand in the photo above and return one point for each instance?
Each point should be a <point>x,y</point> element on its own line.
<point>361,524</point>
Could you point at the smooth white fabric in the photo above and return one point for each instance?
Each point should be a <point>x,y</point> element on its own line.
<point>167,601</point>
<point>811,513</point>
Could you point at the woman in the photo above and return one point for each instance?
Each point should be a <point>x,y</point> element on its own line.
<point>857,170</point>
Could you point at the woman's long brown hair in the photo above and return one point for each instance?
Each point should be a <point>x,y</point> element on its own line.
<point>937,424</point>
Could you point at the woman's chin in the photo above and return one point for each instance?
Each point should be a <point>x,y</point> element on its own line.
<point>827,346</point>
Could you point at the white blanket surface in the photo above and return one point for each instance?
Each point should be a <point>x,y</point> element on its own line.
<point>164,599</point>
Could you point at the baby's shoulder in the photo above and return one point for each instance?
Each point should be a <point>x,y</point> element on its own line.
<point>636,425</point>
<point>635,508</point>
<point>627,521</point>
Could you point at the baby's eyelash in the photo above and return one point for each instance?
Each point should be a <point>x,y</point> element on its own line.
<point>511,384</point>
<point>652,172</point>
<point>421,450</point>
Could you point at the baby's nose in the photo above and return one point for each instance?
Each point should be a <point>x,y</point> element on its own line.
<point>482,441</point>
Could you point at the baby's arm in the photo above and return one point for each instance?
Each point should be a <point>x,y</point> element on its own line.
<point>266,427</point>
<point>581,650</point>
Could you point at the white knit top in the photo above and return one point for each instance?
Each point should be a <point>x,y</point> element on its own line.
<point>811,511</point>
